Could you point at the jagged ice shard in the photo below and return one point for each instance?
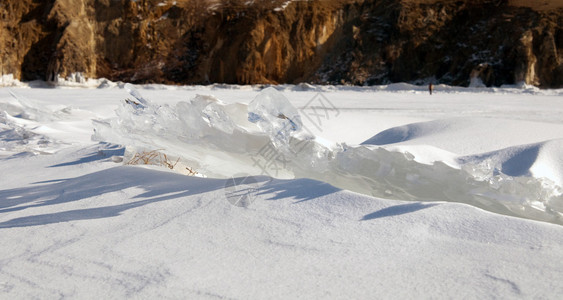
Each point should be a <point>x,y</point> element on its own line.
<point>276,117</point>
<point>267,138</point>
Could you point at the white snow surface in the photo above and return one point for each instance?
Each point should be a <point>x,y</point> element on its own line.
<point>478,166</point>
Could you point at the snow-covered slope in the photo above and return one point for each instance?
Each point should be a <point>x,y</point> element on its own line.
<point>76,222</point>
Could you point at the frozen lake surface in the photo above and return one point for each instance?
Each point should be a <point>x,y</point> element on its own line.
<point>289,191</point>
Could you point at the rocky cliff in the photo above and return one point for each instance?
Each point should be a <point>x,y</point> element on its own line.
<point>490,42</point>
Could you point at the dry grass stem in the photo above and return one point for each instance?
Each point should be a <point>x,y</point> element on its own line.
<point>155,157</point>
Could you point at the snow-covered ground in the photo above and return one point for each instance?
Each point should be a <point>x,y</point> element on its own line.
<point>83,216</point>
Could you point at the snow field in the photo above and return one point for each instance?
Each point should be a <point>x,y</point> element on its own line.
<point>76,222</point>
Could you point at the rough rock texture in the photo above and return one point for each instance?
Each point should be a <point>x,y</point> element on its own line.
<point>490,42</point>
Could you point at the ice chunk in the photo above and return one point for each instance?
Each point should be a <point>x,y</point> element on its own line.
<point>135,93</point>
<point>32,110</point>
<point>275,116</point>
<point>216,117</point>
<point>202,116</point>
<point>15,138</point>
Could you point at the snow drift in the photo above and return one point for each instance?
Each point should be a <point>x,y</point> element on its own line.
<point>267,137</point>
<point>76,222</point>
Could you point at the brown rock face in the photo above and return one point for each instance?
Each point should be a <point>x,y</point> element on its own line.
<point>277,41</point>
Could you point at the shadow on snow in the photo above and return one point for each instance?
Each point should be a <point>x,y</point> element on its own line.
<point>301,190</point>
<point>157,185</point>
<point>397,210</point>
<point>107,151</point>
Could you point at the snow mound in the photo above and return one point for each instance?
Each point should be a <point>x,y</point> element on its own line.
<point>540,160</point>
<point>216,141</point>
<point>465,136</point>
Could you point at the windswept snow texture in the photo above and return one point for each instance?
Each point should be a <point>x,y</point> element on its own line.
<point>299,192</point>
<point>203,133</point>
